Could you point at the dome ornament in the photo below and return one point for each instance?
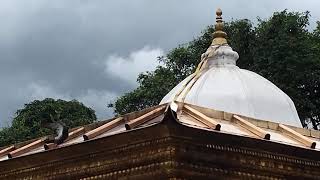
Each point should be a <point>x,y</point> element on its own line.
<point>219,36</point>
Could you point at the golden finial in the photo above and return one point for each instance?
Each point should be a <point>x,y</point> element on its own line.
<point>219,36</point>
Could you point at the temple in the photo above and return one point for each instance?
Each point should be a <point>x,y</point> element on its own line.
<point>221,122</point>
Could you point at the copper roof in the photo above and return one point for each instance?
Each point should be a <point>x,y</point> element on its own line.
<point>188,115</point>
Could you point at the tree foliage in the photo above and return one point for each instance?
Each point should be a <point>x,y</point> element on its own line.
<point>286,54</point>
<point>28,121</point>
<point>279,48</point>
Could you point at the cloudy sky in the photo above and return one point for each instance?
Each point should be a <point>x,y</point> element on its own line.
<point>93,50</point>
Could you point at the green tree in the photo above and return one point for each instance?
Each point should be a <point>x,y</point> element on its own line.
<point>286,54</point>
<point>28,121</point>
<point>152,87</point>
<point>181,62</point>
<point>178,64</point>
<point>279,48</point>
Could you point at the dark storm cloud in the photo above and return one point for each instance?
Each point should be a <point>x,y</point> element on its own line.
<point>61,48</point>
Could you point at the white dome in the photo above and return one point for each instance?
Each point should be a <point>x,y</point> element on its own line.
<point>224,86</point>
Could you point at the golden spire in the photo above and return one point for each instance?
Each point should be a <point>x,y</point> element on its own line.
<point>219,36</point>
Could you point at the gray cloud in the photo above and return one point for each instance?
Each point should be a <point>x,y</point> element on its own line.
<point>69,49</point>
